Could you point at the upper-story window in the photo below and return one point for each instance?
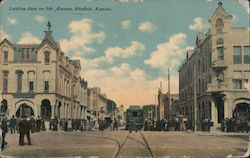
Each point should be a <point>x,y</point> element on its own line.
<point>246,54</point>
<point>5,80</point>
<point>19,80</point>
<point>220,53</point>
<point>46,80</point>
<point>47,57</point>
<point>237,55</point>
<point>219,25</point>
<point>219,22</point>
<point>5,56</point>
<point>237,83</point>
<point>31,76</point>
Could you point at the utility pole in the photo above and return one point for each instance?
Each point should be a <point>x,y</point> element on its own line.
<point>195,100</point>
<point>169,96</point>
<point>155,108</point>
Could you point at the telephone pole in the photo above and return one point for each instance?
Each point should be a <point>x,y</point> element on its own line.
<point>169,95</point>
<point>195,100</point>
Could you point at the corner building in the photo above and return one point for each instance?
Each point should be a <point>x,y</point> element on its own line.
<point>219,68</point>
<point>37,79</point>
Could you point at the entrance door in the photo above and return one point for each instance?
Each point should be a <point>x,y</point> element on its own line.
<point>242,110</point>
<point>46,109</point>
<point>23,110</point>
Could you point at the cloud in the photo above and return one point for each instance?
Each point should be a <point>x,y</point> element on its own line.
<point>126,24</point>
<point>40,19</point>
<point>12,21</point>
<point>199,25</point>
<point>28,38</point>
<point>209,0</point>
<point>169,54</point>
<point>133,84</point>
<point>235,19</point>
<point>127,1</point>
<point>135,48</point>
<point>146,27</point>
<point>123,69</point>
<point>82,36</point>
<point>245,5</point>
<point>4,35</point>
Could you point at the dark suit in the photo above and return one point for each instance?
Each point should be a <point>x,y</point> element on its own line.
<point>24,129</point>
<point>4,128</point>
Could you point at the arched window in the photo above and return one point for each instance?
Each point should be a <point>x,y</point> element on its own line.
<point>219,23</point>
<point>47,57</point>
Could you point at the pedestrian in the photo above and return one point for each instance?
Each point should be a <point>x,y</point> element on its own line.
<point>24,129</point>
<point>43,128</point>
<point>13,124</point>
<point>32,124</point>
<point>50,123</point>
<point>65,125</point>
<point>38,124</point>
<point>4,127</point>
<point>55,124</point>
<point>115,125</point>
<point>146,125</point>
<point>69,128</point>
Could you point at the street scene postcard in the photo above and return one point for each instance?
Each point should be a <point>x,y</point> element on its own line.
<point>124,78</point>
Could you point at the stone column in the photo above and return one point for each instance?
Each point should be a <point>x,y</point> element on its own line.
<point>214,113</point>
<point>227,108</point>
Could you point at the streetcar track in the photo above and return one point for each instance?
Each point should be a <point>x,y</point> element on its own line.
<point>145,144</point>
<point>121,145</point>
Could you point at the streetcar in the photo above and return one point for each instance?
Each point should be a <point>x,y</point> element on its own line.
<point>134,115</point>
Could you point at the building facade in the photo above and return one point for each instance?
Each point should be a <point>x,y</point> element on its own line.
<point>214,76</point>
<point>96,102</point>
<point>164,110</point>
<point>39,80</point>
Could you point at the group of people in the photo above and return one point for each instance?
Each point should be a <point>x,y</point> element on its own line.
<point>36,124</point>
<point>22,125</point>
<point>166,125</point>
<point>234,125</point>
<point>67,125</point>
<point>175,124</point>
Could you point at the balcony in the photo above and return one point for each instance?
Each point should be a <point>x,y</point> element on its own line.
<point>216,87</point>
<point>219,64</point>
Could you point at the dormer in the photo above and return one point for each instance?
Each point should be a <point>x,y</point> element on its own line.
<point>49,39</point>
<point>6,51</point>
<point>48,49</point>
<point>221,21</point>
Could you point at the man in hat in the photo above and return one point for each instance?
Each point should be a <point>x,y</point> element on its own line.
<point>4,128</point>
<point>24,129</point>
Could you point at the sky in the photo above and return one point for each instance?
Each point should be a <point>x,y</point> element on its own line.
<point>125,46</point>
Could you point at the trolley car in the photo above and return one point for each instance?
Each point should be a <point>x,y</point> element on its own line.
<point>134,116</point>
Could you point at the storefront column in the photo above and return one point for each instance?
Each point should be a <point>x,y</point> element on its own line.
<point>214,114</point>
